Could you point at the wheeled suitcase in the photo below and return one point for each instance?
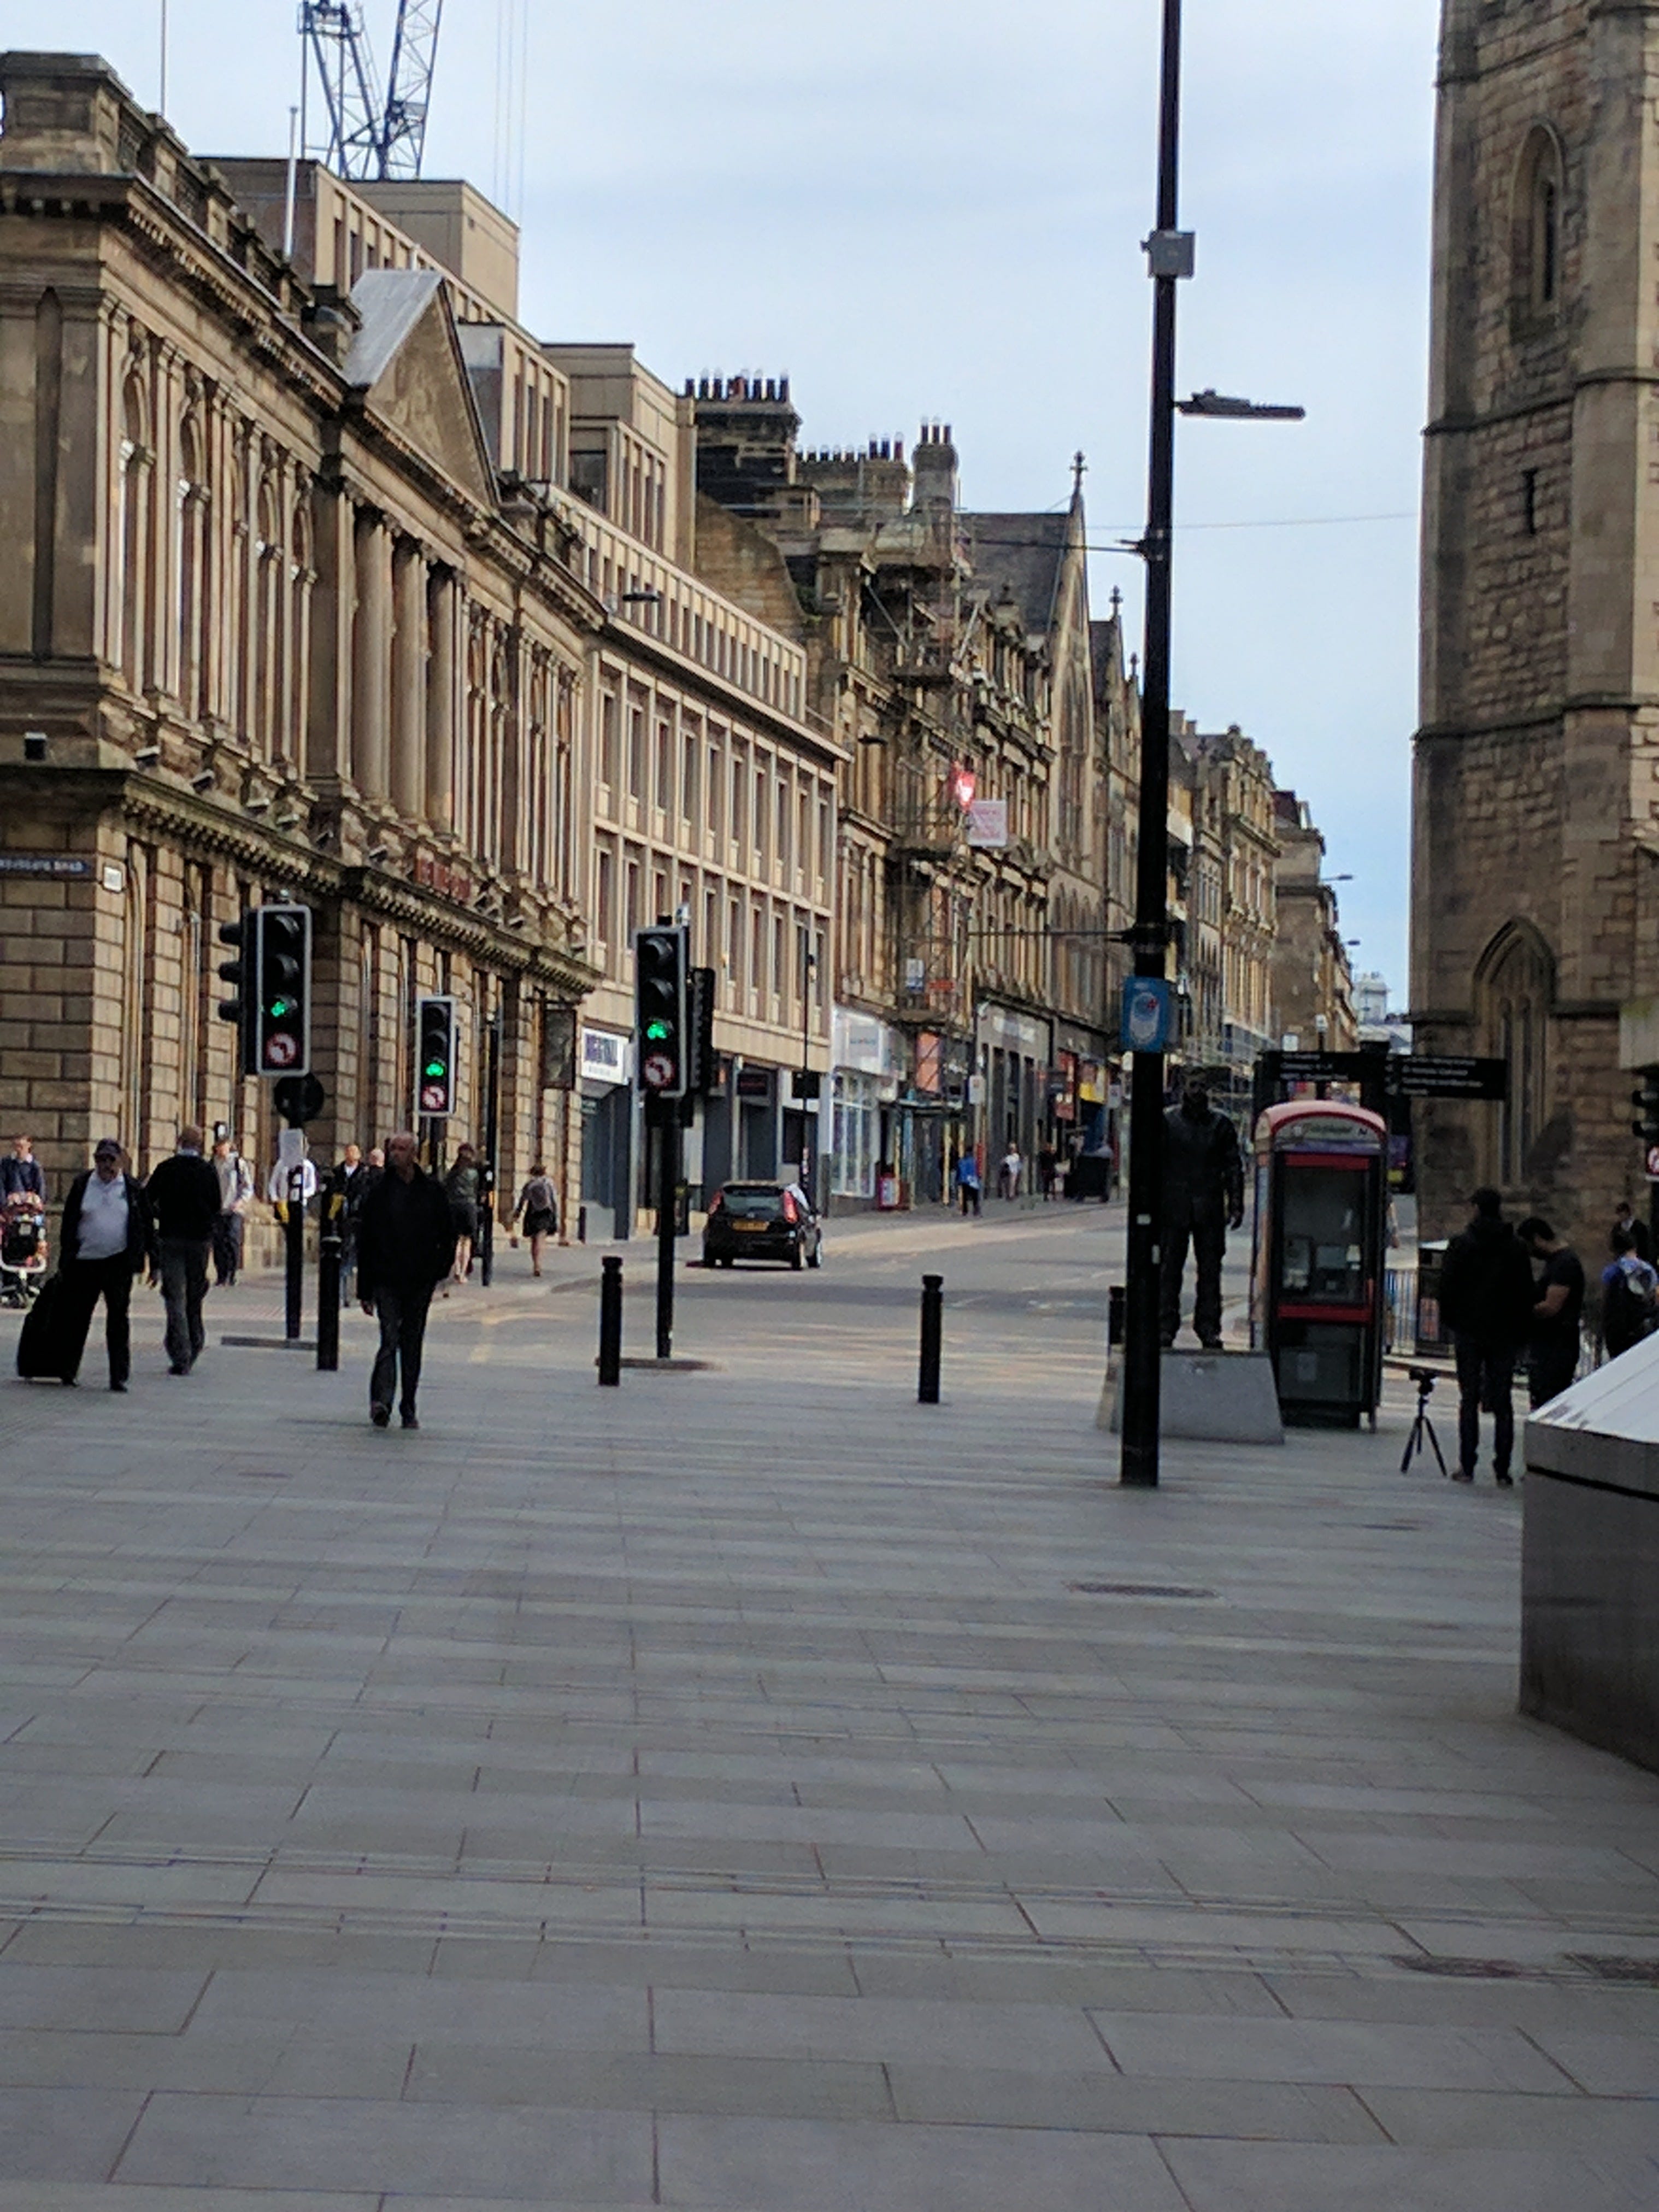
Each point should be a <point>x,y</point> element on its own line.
<point>40,1342</point>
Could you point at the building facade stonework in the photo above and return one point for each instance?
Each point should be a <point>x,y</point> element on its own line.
<point>1313,982</point>
<point>330,582</point>
<point>267,631</point>
<point>1536,899</point>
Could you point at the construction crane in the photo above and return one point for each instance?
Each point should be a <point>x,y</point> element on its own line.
<point>370,136</point>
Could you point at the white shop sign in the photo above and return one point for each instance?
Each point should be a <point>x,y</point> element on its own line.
<point>606,1057</point>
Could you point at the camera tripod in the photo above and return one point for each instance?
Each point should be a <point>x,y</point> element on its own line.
<point>1422,1427</point>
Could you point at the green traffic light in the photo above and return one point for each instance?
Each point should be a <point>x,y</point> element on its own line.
<point>279,1008</point>
<point>657,1032</point>
<point>435,1068</point>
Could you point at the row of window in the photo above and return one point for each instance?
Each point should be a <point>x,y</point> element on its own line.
<point>699,780</point>
<point>668,605</point>
<point>768,956</point>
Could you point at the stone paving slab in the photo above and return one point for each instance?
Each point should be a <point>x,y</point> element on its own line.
<point>723,1793</point>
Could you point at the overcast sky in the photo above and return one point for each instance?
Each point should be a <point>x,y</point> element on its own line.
<point>919,209</point>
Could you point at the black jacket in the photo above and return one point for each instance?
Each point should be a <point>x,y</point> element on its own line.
<point>1486,1291</point>
<point>141,1225</point>
<point>1203,1173</point>
<point>184,1196</point>
<point>404,1235</point>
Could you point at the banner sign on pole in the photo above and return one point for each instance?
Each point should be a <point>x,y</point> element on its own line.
<point>1146,1020</point>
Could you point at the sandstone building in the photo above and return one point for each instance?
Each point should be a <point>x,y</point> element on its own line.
<point>327,578</point>
<point>1313,982</point>
<point>950,658</point>
<point>1535,904</point>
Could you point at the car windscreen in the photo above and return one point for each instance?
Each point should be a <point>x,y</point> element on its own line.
<point>754,1204</point>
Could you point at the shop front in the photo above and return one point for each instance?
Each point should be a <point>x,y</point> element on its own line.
<point>605,1069</point>
<point>868,1141</point>
<point>1083,1096</point>
<point>1014,1054</point>
<point>934,1125</point>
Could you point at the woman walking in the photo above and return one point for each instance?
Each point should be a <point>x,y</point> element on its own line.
<point>461,1188</point>
<point>540,1211</point>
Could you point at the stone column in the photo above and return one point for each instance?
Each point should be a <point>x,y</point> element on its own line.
<point>443,609</point>
<point>409,654</point>
<point>371,656</point>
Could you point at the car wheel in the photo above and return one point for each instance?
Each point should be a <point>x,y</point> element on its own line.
<point>816,1259</point>
<point>728,1260</point>
<point>795,1259</point>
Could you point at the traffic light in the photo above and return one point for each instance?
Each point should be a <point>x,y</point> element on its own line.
<point>703,1068</point>
<point>660,1010</point>
<point>282,1020</point>
<point>1647,1098</point>
<point>435,1069</point>
<point>242,973</point>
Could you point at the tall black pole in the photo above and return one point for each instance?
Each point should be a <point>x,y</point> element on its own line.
<point>1138,1467</point>
<point>668,1178</point>
<point>492,1131</point>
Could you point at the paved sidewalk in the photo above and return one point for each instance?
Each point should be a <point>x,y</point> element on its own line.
<point>752,1791</point>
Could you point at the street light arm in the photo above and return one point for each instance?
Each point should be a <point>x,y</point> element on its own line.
<point>1219,404</point>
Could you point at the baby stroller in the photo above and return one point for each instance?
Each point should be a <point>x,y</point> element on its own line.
<point>23,1254</point>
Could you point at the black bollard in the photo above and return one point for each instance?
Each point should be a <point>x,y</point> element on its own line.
<point>932,1337</point>
<point>294,1229</point>
<point>611,1322</point>
<point>330,1245</point>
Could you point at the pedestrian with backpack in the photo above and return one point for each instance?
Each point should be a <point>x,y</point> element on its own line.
<point>1630,1296</point>
<point>540,1211</point>
<point>1487,1298</point>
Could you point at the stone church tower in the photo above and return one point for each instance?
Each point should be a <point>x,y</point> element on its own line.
<point>1535,899</point>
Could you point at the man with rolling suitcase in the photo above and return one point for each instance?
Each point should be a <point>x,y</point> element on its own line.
<point>108,1237</point>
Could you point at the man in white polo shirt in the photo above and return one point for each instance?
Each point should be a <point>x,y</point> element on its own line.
<point>108,1237</point>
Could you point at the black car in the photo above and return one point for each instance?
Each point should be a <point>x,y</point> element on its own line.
<point>762,1221</point>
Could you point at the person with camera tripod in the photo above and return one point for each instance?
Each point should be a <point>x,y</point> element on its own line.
<point>1486,1299</point>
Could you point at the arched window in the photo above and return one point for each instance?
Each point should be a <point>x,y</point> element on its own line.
<point>132,601</point>
<point>1539,194</point>
<point>1515,989</point>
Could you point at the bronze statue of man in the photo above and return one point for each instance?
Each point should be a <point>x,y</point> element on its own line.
<point>1203,1198</point>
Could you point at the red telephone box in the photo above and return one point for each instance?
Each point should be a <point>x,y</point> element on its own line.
<point>1317,1277</point>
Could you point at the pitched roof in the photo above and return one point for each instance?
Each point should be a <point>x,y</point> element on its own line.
<point>391,302</point>
<point>406,360</point>
<point>1023,554</point>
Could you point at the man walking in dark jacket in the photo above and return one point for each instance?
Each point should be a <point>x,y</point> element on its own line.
<point>108,1239</point>
<point>405,1247</point>
<point>184,1196</point>
<point>1203,1198</point>
<point>1486,1299</point>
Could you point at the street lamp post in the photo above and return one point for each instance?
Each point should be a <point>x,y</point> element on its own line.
<point>1170,256</point>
